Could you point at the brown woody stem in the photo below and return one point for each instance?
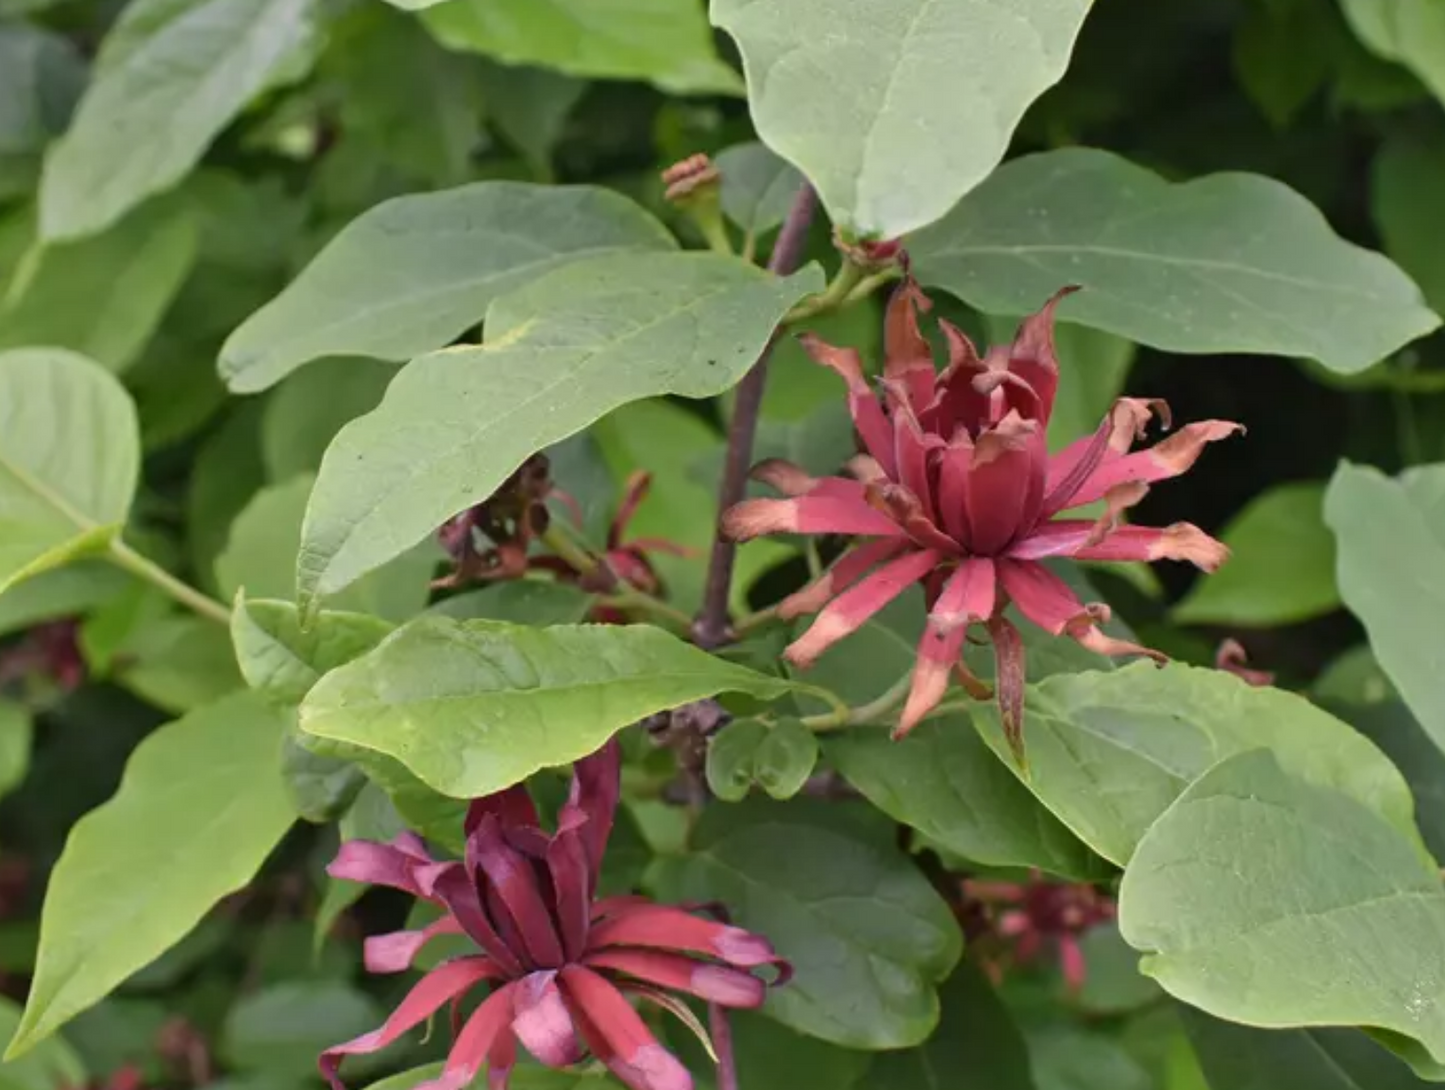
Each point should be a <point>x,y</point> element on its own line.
<point>711,629</point>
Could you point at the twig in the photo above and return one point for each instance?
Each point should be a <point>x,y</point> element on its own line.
<point>710,630</point>
<point>123,556</point>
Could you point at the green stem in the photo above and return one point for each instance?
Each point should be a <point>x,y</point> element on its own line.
<point>643,602</point>
<point>622,595</point>
<point>844,716</point>
<point>123,556</point>
<point>830,298</point>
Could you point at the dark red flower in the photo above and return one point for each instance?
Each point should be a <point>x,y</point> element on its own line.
<point>50,650</point>
<point>560,962</point>
<point>125,1078</point>
<point>490,540</point>
<point>957,491</point>
<point>1024,918</point>
<point>1231,657</point>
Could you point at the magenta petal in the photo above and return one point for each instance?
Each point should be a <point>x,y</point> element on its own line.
<point>511,807</point>
<point>1004,484</point>
<point>395,952</point>
<point>1181,541</point>
<point>1033,358</point>
<point>679,973</point>
<point>1009,678</point>
<point>571,880</point>
<point>431,993</point>
<point>1040,595</point>
<point>392,865</point>
<point>844,572</point>
<point>618,1036</point>
<point>911,450</point>
<point>908,359</point>
<point>475,1042</point>
<point>663,927</point>
<point>968,596</point>
<point>848,612</point>
<point>810,514</point>
<point>541,1021</point>
<point>458,892</point>
<point>511,876</point>
<point>501,1058</point>
<point>868,418</point>
<point>1163,460</point>
<point>596,788</point>
<point>1062,537</point>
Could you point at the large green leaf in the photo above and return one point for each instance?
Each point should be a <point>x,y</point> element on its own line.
<point>1266,899</point>
<point>472,707</point>
<point>17,732</point>
<point>181,68</point>
<point>53,1064</point>
<point>943,781</point>
<point>102,296</point>
<point>866,934</point>
<point>281,1030</point>
<point>1411,32</point>
<point>1109,751</point>
<point>41,75</point>
<point>1408,175</point>
<point>199,809</point>
<point>282,661</point>
<point>1391,538</point>
<point>312,405</point>
<point>1282,567</point>
<point>260,557</point>
<point>561,352</point>
<point>530,108</point>
<point>69,459</point>
<point>1226,263</point>
<point>896,108</point>
<point>411,274</point>
<point>666,42</point>
<point>1243,1058</point>
<point>758,187</point>
<point>70,591</point>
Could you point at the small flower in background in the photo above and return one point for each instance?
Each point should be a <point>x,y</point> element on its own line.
<point>48,650</point>
<point>490,541</point>
<point>560,962</point>
<point>126,1078</point>
<point>1020,920</point>
<point>957,491</point>
<point>1233,658</point>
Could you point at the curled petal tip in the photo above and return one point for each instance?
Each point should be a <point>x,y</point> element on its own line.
<point>754,518</point>
<point>1185,541</point>
<point>787,478</point>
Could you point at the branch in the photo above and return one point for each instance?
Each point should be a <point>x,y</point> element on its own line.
<point>710,630</point>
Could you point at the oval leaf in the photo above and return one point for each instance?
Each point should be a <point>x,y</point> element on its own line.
<point>1226,263</point>
<point>199,809</point>
<point>1391,536</point>
<point>472,707</point>
<point>561,353</point>
<point>183,69</point>
<point>1109,751</point>
<point>1264,899</point>
<point>69,459</point>
<point>412,273</point>
<point>896,108</point>
<point>758,187</point>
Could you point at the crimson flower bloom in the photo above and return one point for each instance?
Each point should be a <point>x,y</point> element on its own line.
<point>957,491</point>
<point>1026,917</point>
<point>560,962</point>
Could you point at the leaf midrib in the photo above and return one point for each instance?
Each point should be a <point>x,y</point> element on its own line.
<point>48,496</point>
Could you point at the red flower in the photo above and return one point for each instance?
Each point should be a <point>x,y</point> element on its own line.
<point>49,650</point>
<point>957,491</point>
<point>1027,917</point>
<point>1231,657</point>
<point>559,961</point>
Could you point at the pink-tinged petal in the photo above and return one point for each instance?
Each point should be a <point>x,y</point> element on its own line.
<point>439,987</point>
<point>511,875</point>
<point>868,417</point>
<point>1040,595</point>
<point>908,359</point>
<point>1071,962</point>
<point>639,483</point>
<point>458,892</point>
<point>787,478</point>
<point>848,612</point>
<point>596,789</point>
<point>512,807</point>
<point>1004,484</point>
<point>571,881</point>
<point>394,953</point>
<point>617,1035</point>
<point>1062,537</point>
<point>476,1043</point>
<point>542,1022</point>
<point>912,449</point>
<point>1009,679</point>
<point>1033,357</point>
<point>968,596</point>
<point>392,865</point>
<point>618,904</point>
<point>1085,630</point>
<point>865,469</point>
<point>807,515</point>
<point>957,403</point>
<point>951,503</point>
<point>1164,460</point>
<point>1127,421</point>
<point>1116,501</point>
<point>1232,658</point>
<point>1181,541</point>
<point>662,927</point>
<point>844,572</point>
<point>677,972</point>
<point>904,508</point>
<point>501,1058</point>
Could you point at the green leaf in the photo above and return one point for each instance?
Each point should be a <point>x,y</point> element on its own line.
<point>225,475</point>
<point>730,758</point>
<point>758,187</point>
<point>184,68</point>
<point>866,934</point>
<point>1406,179</point>
<point>1390,726</point>
<point>1109,751</point>
<point>282,1029</point>
<point>1391,539</point>
<point>1284,54</point>
<point>52,1064</point>
<point>1065,1058</point>
<point>411,274</point>
<point>1114,984</point>
<point>770,1056</point>
<point>16,735</point>
<point>1266,899</point>
<point>69,460</point>
<point>199,809</point>
<point>472,707</point>
<point>522,601</point>
<point>371,816</point>
<point>41,76</point>
<point>868,104</point>
<point>61,592</point>
<point>312,405</point>
<point>1410,32</point>
<point>530,108</point>
<point>1282,567</point>
<point>176,661</point>
<point>260,558</point>
<point>282,661</point>
<point>977,1046</point>
<point>102,296</point>
<point>666,42</point>
<point>778,757</point>
<point>1244,1058</point>
<point>943,781</point>
<point>1227,263</point>
<point>561,352</point>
